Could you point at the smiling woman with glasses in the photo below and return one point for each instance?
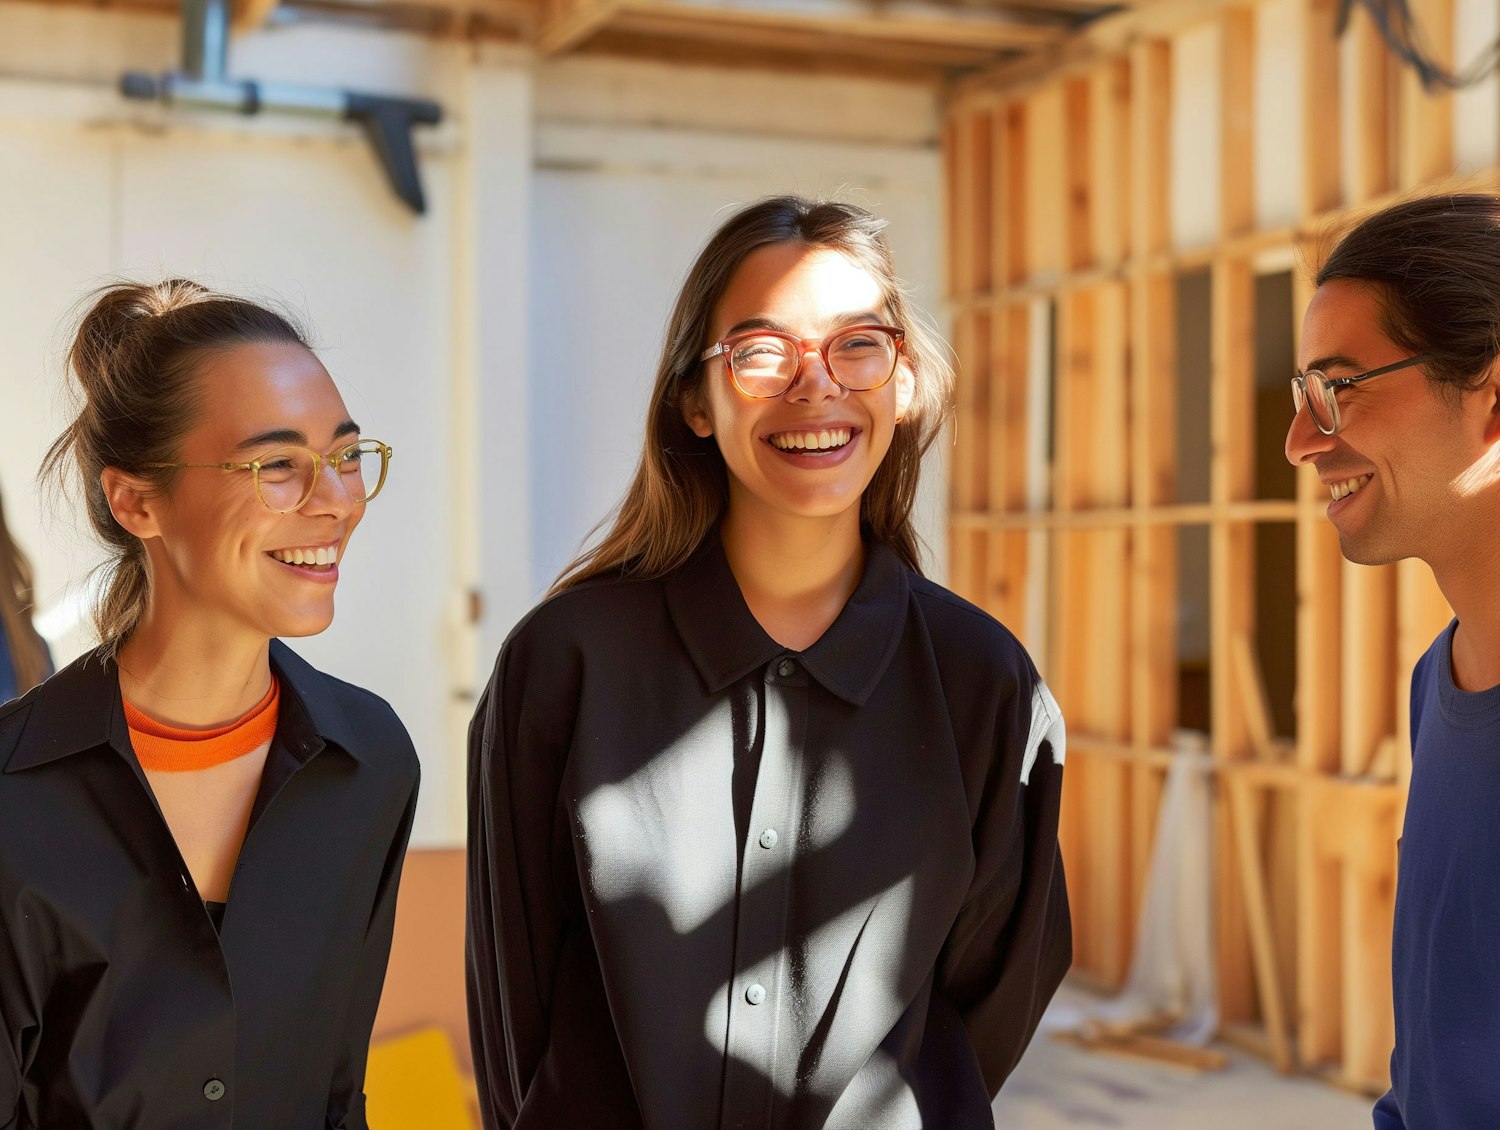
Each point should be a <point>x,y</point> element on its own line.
<point>202,835</point>
<point>763,822</point>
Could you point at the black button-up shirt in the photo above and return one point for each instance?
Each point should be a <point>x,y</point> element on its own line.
<point>120,1006</point>
<point>717,884</point>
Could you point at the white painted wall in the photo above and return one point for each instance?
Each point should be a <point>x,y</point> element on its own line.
<point>564,200</point>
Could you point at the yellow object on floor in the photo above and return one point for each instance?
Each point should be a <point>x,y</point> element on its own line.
<point>413,1083</point>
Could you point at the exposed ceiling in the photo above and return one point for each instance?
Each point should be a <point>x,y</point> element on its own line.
<point>923,39</point>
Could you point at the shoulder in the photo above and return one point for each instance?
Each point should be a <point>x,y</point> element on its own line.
<point>572,620</point>
<point>372,724</point>
<point>963,630</point>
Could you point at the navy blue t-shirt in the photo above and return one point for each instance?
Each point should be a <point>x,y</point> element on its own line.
<point>1445,1071</point>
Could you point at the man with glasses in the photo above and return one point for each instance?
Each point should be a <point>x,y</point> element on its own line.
<point>1412,464</point>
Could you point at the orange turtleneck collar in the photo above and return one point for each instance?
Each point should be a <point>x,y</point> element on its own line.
<point>167,749</point>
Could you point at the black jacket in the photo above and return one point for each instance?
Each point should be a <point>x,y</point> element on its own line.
<point>717,884</point>
<point>120,1006</point>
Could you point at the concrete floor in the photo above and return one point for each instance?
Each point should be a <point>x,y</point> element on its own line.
<point>1057,1087</point>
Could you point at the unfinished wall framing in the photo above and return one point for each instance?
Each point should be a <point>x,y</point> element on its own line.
<point>1108,431</point>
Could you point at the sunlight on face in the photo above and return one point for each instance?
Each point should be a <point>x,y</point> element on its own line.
<point>776,451</point>
<point>219,554</point>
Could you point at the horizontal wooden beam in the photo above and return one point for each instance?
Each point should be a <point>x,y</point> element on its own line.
<point>846,23</point>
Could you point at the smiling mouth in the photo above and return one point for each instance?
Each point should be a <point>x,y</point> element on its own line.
<point>318,558</point>
<point>812,443</point>
<point>1348,486</point>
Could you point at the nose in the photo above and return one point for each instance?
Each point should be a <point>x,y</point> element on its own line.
<point>332,492</point>
<point>813,383</point>
<point>1304,440</point>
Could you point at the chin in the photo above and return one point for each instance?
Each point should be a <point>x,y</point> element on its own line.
<point>305,624</point>
<point>1368,551</point>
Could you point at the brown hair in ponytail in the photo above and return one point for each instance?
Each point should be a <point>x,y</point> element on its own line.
<point>28,653</point>
<point>136,356</point>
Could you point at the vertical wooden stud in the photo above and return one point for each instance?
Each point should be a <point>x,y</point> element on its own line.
<point>1237,122</point>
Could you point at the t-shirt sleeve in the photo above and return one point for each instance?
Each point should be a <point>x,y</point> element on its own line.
<point>1012,942</point>
<point>1387,1116</point>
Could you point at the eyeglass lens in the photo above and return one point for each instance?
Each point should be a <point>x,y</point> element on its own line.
<point>860,359</point>
<point>1313,390</point>
<point>286,479</point>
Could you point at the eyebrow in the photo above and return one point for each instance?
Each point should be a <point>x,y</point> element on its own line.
<point>838,321</point>
<point>292,436</point>
<point>1323,364</point>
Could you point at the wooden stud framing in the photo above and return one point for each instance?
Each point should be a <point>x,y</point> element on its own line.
<point>1077,170</point>
<point>1425,146</point>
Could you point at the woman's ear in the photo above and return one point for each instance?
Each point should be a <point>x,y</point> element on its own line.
<point>132,501</point>
<point>695,413</point>
<point>906,389</point>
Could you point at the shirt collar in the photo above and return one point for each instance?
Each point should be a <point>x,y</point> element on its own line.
<point>726,642</point>
<point>79,709</point>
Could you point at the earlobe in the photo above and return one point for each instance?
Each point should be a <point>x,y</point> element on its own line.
<point>131,501</point>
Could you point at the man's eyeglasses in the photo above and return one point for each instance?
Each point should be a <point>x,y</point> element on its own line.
<point>764,363</point>
<point>286,478</point>
<point>1317,391</point>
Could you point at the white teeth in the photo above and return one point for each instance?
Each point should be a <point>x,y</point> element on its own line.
<point>825,440</point>
<point>319,556</point>
<point>1346,488</point>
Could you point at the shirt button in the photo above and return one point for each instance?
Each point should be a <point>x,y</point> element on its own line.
<point>214,1090</point>
<point>768,838</point>
<point>786,668</point>
<point>755,994</point>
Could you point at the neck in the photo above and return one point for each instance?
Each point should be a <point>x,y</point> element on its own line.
<point>192,674</point>
<point>795,573</point>
<point>1468,584</point>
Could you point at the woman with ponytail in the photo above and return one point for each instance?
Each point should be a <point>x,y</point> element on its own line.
<point>763,823</point>
<point>202,834</point>
<point>24,659</point>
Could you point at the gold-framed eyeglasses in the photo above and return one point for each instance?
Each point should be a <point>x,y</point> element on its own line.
<point>1317,390</point>
<point>286,478</point>
<point>764,363</point>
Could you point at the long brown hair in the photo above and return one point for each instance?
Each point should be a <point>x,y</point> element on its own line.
<point>135,357</point>
<point>28,654</point>
<point>680,487</point>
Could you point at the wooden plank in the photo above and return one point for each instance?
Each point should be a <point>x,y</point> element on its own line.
<point>1110,152</point>
<point>981,205</point>
<point>1369,628</point>
<point>569,22</point>
<point>1421,613</point>
<point>1003,175</point>
<point>1262,941</point>
<point>1369,910</point>
<point>1044,169</point>
<point>1237,121</point>
<point>1250,685</point>
<point>959,159</point>
<point>1079,200</point>
<point>905,24</point>
<point>1322,182</point>
<point>1010,472</point>
<point>1320,981</point>
<point>1151,152</point>
<point>1369,108</point>
<point>1141,1048</point>
<point>1425,134</point>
